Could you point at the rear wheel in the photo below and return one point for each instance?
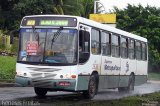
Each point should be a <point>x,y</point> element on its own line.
<point>92,87</point>
<point>130,86</point>
<point>131,83</point>
<point>41,92</point>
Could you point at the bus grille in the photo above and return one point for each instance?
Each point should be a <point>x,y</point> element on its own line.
<point>43,69</point>
<point>42,79</point>
<point>42,83</point>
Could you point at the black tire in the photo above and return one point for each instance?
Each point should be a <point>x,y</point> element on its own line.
<point>41,92</point>
<point>92,87</point>
<point>131,83</point>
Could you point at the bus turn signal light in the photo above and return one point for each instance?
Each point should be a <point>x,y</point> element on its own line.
<point>73,76</point>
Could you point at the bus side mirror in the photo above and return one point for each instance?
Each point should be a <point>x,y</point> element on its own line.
<point>13,33</point>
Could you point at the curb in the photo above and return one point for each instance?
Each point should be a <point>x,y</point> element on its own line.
<point>7,85</point>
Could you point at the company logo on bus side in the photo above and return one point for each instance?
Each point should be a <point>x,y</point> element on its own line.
<point>111,67</point>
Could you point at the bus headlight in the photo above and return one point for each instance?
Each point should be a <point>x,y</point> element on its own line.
<point>21,74</point>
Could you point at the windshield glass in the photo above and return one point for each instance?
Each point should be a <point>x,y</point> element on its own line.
<point>48,45</point>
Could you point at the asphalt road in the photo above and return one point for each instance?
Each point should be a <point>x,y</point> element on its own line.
<point>26,95</point>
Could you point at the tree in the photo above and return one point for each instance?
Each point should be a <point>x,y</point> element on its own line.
<point>67,7</point>
<point>144,22</point>
<point>31,7</point>
<point>34,7</point>
<point>87,7</point>
<point>6,13</point>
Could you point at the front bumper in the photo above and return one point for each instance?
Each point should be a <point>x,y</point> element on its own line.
<point>45,83</point>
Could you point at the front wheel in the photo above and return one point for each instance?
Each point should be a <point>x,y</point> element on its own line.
<point>41,92</point>
<point>92,87</point>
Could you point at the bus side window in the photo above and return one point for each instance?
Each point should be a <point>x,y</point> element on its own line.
<point>138,50</point>
<point>124,47</point>
<point>144,51</point>
<point>106,43</point>
<point>84,46</point>
<point>131,49</point>
<point>95,42</point>
<point>115,45</point>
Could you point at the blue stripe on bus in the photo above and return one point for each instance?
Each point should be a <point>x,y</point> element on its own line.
<point>31,30</point>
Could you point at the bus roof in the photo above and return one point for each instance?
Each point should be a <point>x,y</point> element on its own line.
<point>97,25</point>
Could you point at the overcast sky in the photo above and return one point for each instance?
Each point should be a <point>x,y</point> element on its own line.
<point>123,3</point>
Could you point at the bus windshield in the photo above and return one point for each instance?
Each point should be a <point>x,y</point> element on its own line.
<point>48,46</point>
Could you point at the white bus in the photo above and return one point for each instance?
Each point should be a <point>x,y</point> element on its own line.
<point>70,53</point>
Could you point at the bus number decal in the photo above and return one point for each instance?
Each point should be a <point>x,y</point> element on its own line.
<point>30,22</point>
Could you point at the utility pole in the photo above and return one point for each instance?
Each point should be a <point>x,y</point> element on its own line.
<point>99,7</point>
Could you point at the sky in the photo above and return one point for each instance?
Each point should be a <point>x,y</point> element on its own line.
<point>109,4</point>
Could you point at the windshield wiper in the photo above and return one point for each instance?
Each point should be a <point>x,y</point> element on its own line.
<point>55,36</point>
<point>36,35</point>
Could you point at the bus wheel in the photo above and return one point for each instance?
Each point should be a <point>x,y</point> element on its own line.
<point>130,86</point>
<point>131,83</point>
<point>92,88</point>
<point>41,92</point>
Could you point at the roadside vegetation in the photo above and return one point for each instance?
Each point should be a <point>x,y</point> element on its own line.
<point>7,67</point>
<point>154,76</point>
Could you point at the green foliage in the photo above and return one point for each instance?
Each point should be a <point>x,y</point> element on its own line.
<point>4,46</point>
<point>7,15</point>
<point>87,7</point>
<point>7,67</point>
<point>154,76</point>
<point>146,23</point>
<point>14,47</point>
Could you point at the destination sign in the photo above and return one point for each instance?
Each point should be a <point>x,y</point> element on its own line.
<point>54,22</point>
<point>49,21</point>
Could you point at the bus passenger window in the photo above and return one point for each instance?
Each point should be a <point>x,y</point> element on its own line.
<point>124,47</point>
<point>95,42</point>
<point>131,49</point>
<point>138,50</point>
<point>144,51</point>
<point>84,46</point>
<point>106,43</point>
<point>115,45</point>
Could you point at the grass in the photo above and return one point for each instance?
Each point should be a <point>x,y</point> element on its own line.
<point>144,100</point>
<point>7,67</point>
<point>154,76</point>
